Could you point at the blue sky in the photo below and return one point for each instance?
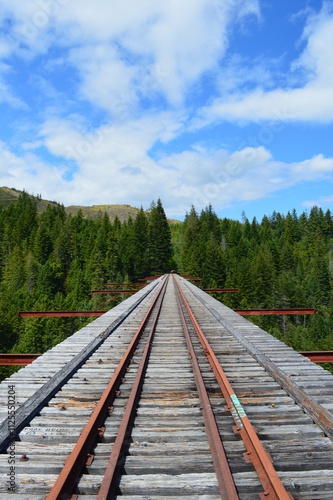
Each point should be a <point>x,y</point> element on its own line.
<point>228,102</point>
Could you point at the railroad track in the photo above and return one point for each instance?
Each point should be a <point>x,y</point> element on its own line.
<point>180,398</point>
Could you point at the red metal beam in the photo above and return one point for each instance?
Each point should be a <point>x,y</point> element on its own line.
<point>318,356</point>
<point>102,303</point>
<point>150,277</point>
<point>123,284</point>
<point>17,359</point>
<point>188,277</point>
<point>262,312</point>
<point>221,290</point>
<point>114,291</point>
<point>58,314</point>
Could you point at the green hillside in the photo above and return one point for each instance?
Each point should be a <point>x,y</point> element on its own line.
<point>123,212</point>
<point>9,195</point>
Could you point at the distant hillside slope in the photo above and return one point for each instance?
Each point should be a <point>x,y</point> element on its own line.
<point>122,211</point>
<point>9,195</point>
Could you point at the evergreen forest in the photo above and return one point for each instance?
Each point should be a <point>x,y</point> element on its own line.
<point>51,260</point>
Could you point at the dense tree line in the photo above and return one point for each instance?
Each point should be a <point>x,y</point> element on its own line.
<point>283,261</point>
<point>52,261</point>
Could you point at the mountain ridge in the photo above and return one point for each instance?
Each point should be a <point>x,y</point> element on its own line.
<point>123,212</point>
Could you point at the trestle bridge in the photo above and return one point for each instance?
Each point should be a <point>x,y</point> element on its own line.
<point>169,395</point>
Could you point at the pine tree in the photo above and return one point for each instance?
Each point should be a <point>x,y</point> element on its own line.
<point>190,260</point>
<point>214,272</point>
<point>209,224</point>
<point>140,228</point>
<point>42,244</point>
<point>14,272</point>
<point>127,248</point>
<point>290,229</point>
<point>159,239</point>
<point>266,232</point>
<point>264,276</point>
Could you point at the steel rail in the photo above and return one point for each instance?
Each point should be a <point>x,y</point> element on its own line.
<point>66,481</point>
<point>273,487</point>
<point>27,411</point>
<point>224,477</point>
<point>320,415</point>
<point>111,477</point>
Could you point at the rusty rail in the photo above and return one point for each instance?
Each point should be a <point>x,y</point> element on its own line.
<point>272,485</point>
<point>66,481</point>
<point>224,477</point>
<point>111,476</point>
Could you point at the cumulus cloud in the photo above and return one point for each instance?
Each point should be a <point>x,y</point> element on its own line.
<point>246,175</point>
<point>131,70</point>
<point>115,47</point>
<point>310,101</point>
<point>112,164</point>
<point>30,173</point>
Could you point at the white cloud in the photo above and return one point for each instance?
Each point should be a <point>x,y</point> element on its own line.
<point>117,46</point>
<point>323,202</point>
<point>8,96</point>
<point>133,60</point>
<point>132,138</point>
<point>28,146</point>
<point>111,160</point>
<point>30,173</point>
<point>312,101</point>
<point>316,166</point>
<point>5,47</point>
<point>112,165</point>
<point>106,79</point>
